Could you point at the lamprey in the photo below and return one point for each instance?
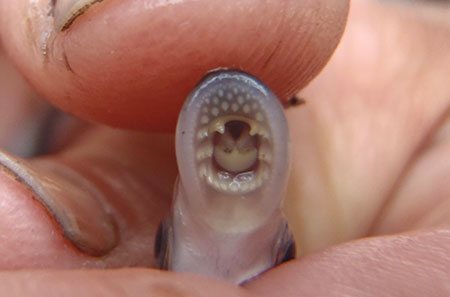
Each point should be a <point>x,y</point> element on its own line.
<point>232,148</point>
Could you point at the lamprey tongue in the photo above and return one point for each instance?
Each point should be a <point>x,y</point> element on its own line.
<point>232,146</point>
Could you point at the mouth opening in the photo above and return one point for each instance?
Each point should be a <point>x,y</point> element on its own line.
<point>236,150</point>
<point>234,154</point>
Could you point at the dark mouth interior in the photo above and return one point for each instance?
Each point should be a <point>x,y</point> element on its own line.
<point>235,128</point>
<point>238,130</point>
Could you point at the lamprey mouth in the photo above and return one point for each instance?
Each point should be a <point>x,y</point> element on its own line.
<point>236,150</point>
<point>233,144</point>
<point>232,140</point>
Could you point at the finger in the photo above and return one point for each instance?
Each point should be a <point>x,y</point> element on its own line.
<point>132,63</point>
<point>112,283</point>
<point>369,119</point>
<point>97,204</point>
<point>22,116</point>
<point>414,264</point>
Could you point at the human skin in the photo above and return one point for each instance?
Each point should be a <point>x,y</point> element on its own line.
<point>370,158</point>
<point>198,42</point>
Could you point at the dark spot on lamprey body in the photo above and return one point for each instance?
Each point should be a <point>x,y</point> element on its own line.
<point>294,101</point>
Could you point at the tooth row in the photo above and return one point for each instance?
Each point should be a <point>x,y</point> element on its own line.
<point>203,133</point>
<point>223,102</point>
<point>264,171</point>
<point>205,151</point>
<point>259,130</point>
<point>264,153</point>
<point>206,171</point>
<point>203,170</point>
<point>218,125</point>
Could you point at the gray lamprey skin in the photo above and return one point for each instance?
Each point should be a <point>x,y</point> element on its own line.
<point>232,147</point>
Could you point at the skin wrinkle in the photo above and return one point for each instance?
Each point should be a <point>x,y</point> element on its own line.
<point>66,62</point>
<point>280,28</point>
<point>70,19</point>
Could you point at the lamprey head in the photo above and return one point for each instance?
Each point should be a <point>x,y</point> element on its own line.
<point>232,149</point>
<point>232,145</point>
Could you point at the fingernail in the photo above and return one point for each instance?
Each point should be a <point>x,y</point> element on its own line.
<point>71,200</point>
<point>66,11</point>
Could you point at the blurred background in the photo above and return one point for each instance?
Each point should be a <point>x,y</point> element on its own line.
<point>29,126</point>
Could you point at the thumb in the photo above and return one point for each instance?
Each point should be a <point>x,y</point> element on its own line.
<point>131,63</point>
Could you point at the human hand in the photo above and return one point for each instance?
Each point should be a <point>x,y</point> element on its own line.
<point>343,170</point>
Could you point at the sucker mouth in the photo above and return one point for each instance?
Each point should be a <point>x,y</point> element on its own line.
<point>233,148</point>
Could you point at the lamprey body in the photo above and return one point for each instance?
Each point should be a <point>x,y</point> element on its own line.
<point>232,147</point>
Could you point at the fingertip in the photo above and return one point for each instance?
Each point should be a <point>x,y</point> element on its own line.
<point>31,237</point>
<point>131,63</point>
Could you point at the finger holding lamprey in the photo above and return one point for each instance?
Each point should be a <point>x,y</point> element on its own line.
<point>97,204</point>
<point>132,63</point>
<point>411,264</point>
<point>112,283</point>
